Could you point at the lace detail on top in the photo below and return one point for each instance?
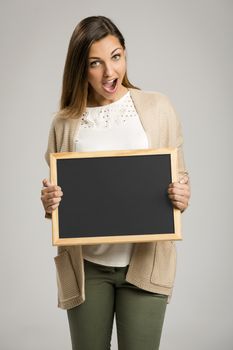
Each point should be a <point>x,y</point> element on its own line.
<point>112,115</point>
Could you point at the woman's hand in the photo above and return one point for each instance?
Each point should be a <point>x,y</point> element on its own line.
<point>179,193</point>
<point>50,196</point>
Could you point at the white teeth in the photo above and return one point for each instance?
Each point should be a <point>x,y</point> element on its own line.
<point>109,81</point>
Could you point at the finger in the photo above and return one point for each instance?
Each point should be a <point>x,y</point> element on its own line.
<point>179,192</point>
<point>180,189</point>
<point>176,190</point>
<point>178,198</point>
<point>51,208</point>
<point>53,201</point>
<point>46,183</point>
<point>55,194</point>
<point>51,198</point>
<point>52,188</point>
<point>179,205</point>
<point>178,185</point>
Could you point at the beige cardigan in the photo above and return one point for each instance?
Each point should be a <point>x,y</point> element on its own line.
<point>152,266</point>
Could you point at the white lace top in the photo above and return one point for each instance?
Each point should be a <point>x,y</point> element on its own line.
<point>115,126</point>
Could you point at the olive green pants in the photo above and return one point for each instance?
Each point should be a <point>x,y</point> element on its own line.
<point>139,314</point>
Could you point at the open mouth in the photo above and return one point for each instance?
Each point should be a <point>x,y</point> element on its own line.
<point>110,85</point>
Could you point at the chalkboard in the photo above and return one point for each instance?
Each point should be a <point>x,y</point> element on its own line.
<point>114,196</point>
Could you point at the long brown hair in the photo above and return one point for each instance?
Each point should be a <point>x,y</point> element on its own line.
<point>75,85</point>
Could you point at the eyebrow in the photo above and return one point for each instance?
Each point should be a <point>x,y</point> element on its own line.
<point>98,58</point>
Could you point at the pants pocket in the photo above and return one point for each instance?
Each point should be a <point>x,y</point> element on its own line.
<point>66,280</point>
<point>164,268</point>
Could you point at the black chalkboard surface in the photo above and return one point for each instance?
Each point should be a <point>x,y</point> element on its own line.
<point>114,196</point>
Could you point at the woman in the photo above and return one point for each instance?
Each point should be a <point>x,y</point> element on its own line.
<point>101,110</point>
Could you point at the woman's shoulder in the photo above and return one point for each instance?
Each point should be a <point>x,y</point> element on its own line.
<point>149,95</point>
<point>154,99</point>
<point>61,122</point>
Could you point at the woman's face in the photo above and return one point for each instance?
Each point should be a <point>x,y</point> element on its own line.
<point>106,70</point>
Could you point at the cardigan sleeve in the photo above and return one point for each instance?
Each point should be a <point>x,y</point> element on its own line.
<point>51,148</point>
<point>52,142</point>
<point>177,139</point>
<point>167,127</point>
<point>179,145</point>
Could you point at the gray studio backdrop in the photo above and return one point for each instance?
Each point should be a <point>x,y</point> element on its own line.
<point>182,48</point>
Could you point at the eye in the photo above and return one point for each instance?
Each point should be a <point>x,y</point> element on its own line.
<point>116,57</point>
<point>94,63</point>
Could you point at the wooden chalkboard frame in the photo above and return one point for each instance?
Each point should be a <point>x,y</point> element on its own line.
<point>58,241</point>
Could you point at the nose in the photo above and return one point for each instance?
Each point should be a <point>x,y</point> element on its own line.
<point>108,69</point>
